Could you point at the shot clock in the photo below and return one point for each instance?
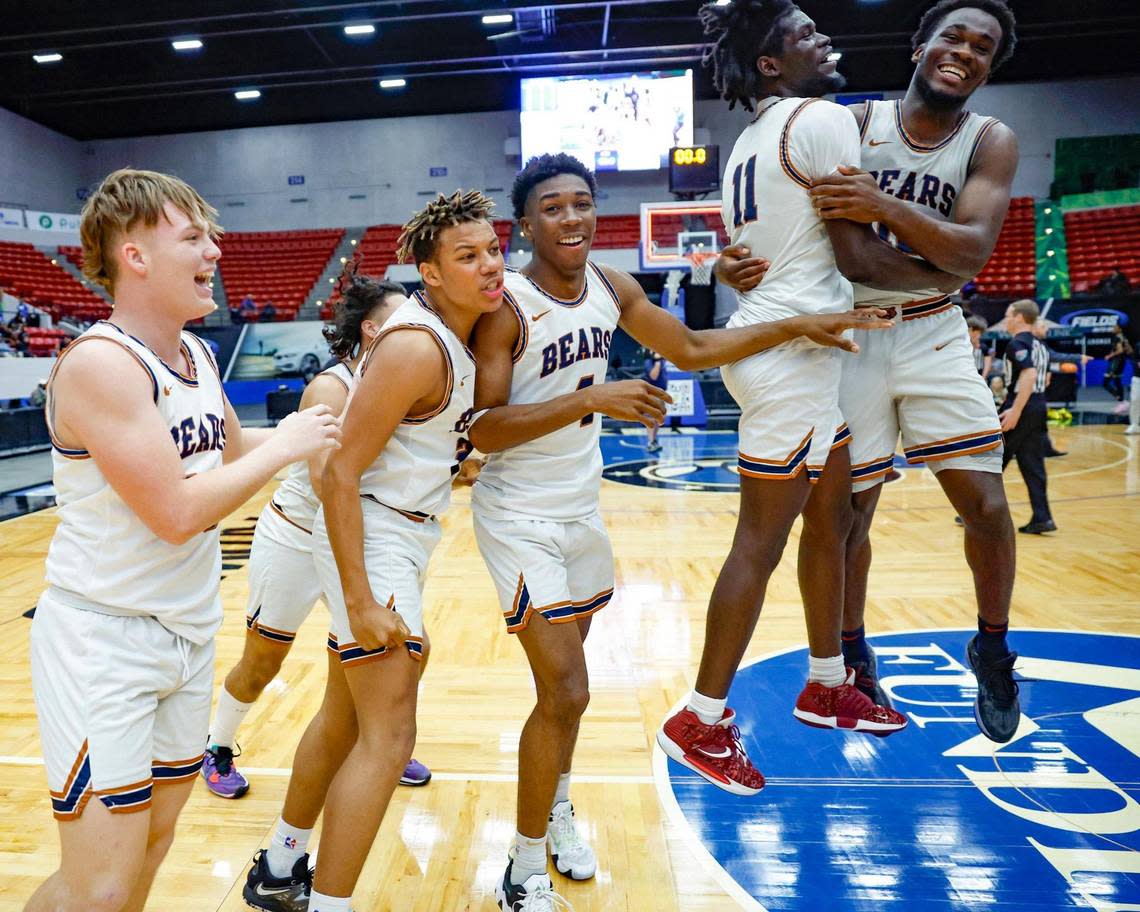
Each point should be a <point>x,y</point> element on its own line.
<point>694,169</point>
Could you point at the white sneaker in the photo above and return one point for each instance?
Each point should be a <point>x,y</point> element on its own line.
<point>535,894</point>
<point>572,856</point>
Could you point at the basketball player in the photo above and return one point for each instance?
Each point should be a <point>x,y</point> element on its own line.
<point>793,453</point>
<point>936,181</point>
<point>283,584</point>
<point>148,457</point>
<point>405,435</point>
<point>542,366</point>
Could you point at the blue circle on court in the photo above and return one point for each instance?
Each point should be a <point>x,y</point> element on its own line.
<point>935,817</point>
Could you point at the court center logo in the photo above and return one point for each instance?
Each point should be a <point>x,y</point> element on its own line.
<point>934,817</point>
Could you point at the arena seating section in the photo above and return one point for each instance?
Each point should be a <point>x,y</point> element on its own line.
<point>1012,269</point>
<point>43,342</point>
<point>1101,240</point>
<point>275,266</point>
<point>30,275</point>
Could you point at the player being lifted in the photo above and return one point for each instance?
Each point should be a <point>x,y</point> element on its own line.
<point>148,457</point>
<point>283,584</point>
<point>405,435</point>
<point>793,454</point>
<point>542,366</point>
<point>936,179</point>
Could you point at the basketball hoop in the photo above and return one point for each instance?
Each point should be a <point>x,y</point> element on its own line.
<point>700,266</point>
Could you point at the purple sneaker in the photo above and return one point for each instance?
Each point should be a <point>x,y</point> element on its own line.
<point>415,774</point>
<point>222,777</point>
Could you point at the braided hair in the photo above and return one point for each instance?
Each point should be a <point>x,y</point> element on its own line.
<point>742,31</point>
<point>417,242</point>
<point>996,8</point>
<point>357,297</point>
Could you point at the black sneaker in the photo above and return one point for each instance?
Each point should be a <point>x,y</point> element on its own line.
<point>536,894</point>
<point>997,709</point>
<point>867,679</point>
<point>1035,527</point>
<point>278,894</point>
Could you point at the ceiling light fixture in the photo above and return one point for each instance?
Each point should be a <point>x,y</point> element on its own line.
<point>498,18</point>
<point>393,83</point>
<point>186,44</point>
<point>247,94</point>
<point>50,57</point>
<point>365,29</point>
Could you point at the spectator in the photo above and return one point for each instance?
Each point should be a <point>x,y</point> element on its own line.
<point>656,375</point>
<point>1113,374</point>
<point>268,312</point>
<point>1115,283</point>
<point>38,397</point>
<point>20,335</point>
<point>248,310</point>
<point>983,351</point>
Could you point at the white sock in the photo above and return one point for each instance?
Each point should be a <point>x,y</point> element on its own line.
<point>529,856</point>
<point>288,844</point>
<point>318,902</point>
<point>230,714</point>
<point>563,791</point>
<point>829,672</point>
<point>708,709</point>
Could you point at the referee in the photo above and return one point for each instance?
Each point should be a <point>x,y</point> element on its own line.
<point>1023,413</point>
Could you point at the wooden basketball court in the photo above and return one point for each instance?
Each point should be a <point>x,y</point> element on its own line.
<point>443,847</point>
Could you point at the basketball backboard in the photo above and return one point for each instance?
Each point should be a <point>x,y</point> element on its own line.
<point>672,231</point>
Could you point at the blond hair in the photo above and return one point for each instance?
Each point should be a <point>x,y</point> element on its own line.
<point>417,241</point>
<point>1028,310</point>
<point>125,198</point>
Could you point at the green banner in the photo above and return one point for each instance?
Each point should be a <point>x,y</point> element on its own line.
<point>1127,197</point>
<point>1052,254</point>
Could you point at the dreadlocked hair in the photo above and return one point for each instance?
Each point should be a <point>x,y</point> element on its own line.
<point>996,8</point>
<point>357,296</point>
<point>740,32</point>
<point>544,167</point>
<point>418,239</point>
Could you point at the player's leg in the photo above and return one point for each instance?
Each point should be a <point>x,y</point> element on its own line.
<point>417,774</point>
<point>167,802</point>
<point>830,699</point>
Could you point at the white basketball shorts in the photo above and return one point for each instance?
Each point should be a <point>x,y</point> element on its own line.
<point>561,570</point>
<point>790,418</point>
<point>123,704</point>
<point>918,379</point>
<point>396,554</point>
<point>283,582</point>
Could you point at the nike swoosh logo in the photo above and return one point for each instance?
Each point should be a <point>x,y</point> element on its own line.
<point>166,391</point>
<point>879,142</point>
<point>260,890</point>
<point>723,753</point>
<point>537,317</point>
<point>939,348</point>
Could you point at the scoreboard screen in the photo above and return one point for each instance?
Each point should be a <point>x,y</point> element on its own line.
<point>694,169</point>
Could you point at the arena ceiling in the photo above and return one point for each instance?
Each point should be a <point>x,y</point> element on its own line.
<point>120,76</point>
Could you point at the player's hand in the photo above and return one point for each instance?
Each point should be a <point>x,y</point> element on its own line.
<point>738,269</point>
<point>850,193</point>
<point>828,329</point>
<point>373,626</point>
<point>304,434</point>
<point>468,472</point>
<point>1009,419</point>
<point>630,400</point>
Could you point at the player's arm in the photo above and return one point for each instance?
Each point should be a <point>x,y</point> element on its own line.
<point>329,391</point>
<point>961,246</point>
<point>102,402</point>
<point>987,363</point>
<point>501,425</point>
<point>866,259</point>
<point>692,349</point>
<point>405,375</point>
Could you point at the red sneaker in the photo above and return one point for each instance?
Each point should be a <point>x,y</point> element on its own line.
<point>846,707</point>
<point>711,751</point>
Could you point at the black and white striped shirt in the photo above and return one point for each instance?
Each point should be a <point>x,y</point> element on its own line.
<point>1023,351</point>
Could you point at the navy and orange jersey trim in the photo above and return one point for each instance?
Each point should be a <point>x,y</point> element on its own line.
<point>276,509</point>
<point>128,799</point>
<point>518,616</point>
<point>422,327</point>
<point>524,332</point>
<point>163,771</point>
<point>874,468</point>
<point>865,120</point>
<point>783,469</point>
<point>355,654</point>
<point>914,144</point>
<point>254,625</point>
<point>190,379</point>
<point>78,453</point>
<point>546,294</point>
<point>965,445</point>
<point>607,284</point>
<point>926,308</point>
<point>413,515</point>
<point>330,371</point>
<point>990,123</point>
<point>785,156</point>
<point>841,439</point>
<point>68,802</point>
<point>209,355</point>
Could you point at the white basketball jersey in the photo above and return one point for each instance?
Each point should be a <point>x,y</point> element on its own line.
<point>102,556</point>
<point>295,499</point>
<point>766,206</point>
<point>413,472</point>
<point>926,176</point>
<point>563,346</point>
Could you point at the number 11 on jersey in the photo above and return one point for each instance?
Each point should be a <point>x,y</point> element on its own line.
<point>744,210</point>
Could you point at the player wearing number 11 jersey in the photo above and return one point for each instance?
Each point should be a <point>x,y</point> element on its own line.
<point>793,456</point>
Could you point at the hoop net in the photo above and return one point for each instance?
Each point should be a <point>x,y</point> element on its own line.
<point>700,267</point>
